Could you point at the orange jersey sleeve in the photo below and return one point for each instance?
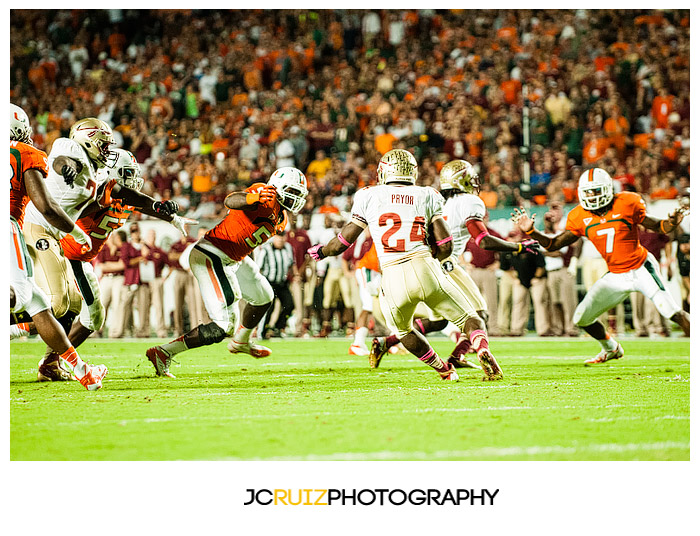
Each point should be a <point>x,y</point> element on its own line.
<point>614,234</point>
<point>23,157</point>
<point>241,231</point>
<point>98,226</point>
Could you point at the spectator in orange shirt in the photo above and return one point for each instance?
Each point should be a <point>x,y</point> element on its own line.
<point>661,107</point>
<point>617,127</point>
<point>383,141</point>
<point>594,147</point>
<point>665,189</point>
<point>488,196</point>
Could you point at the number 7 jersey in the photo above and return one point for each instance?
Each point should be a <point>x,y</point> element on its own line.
<point>614,234</point>
<point>397,217</point>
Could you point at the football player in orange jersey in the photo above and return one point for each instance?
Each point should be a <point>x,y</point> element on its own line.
<point>123,185</point>
<point>29,166</point>
<point>225,272</point>
<point>610,222</point>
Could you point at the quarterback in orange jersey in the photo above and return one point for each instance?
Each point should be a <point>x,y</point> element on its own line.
<point>123,181</point>
<point>28,167</point>
<point>610,222</point>
<point>225,273</point>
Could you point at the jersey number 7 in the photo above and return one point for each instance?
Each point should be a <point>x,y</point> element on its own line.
<point>417,233</point>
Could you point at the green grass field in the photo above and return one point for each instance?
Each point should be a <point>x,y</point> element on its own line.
<point>312,401</point>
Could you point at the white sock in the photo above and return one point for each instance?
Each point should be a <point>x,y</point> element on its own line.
<point>16,332</point>
<point>176,346</point>
<point>360,336</point>
<point>608,344</point>
<point>242,335</point>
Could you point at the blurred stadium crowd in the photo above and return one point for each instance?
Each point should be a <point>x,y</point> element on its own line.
<point>212,101</point>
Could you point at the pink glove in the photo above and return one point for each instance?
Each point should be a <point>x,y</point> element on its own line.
<point>529,246</point>
<point>315,252</point>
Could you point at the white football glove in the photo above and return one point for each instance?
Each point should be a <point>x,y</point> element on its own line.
<point>81,238</point>
<point>573,264</point>
<point>179,222</point>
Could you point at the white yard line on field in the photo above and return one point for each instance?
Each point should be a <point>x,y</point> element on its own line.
<point>484,452</point>
<point>317,414</point>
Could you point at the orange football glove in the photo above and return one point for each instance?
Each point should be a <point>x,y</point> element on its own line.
<point>106,198</point>
<point>268,195</point>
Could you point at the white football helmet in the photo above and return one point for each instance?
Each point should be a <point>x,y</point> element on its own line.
<point>95,136</point>
<point>595,189</point>
<point>459,175</point>
<point>398,165</point>
<point>291,188</point>
<point>123,167</point>
<point>20,129</point>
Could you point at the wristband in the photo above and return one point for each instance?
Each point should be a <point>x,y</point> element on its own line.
<point>661,224</point>
<point>520,249</point>
<point>255,196</point>
<point>444,241</point>
<point>343,241</point>
<point>481,236</point>
<point>530,231</point>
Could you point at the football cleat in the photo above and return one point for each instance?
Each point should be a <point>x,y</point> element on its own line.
<point>92,380</point>
<point>357,349</point>
<point>606,355</point>
<point>50,370</point>
<point>461,362</point>
<point>450,374</point>
<point>256,350</point>
<point>377,351</point>
<point>161,360</point>
<point>491,368</point>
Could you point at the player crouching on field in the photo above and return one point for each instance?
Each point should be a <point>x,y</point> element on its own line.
<point>224,271</point>
<point>400,217</point>
<point>610,222</point>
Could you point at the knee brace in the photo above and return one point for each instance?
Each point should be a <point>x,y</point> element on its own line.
<point>211,333</point>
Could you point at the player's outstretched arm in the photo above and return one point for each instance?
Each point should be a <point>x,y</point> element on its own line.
<point>347,235</point>
<point>163,210</point>
<point>526,224</point>
<point>264,196</point>
<point>668,225</point>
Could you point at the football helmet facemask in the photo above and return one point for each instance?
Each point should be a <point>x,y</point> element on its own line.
<point>95,136</point>
<point>122,166</point>
<point>291,188</point>
<point>20,128</point>
<point>595,189</point>
<point>398,165</point>
<point>460,175</point>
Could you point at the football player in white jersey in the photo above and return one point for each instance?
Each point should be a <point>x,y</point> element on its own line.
<point>73,183</point>
<point>122,179</point>
<point>400,217</point>
<point>464,212</point>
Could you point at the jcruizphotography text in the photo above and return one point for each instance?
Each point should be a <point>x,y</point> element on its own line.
<point>367,497</point>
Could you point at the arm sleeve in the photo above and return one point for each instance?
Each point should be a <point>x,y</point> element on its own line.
<point>474,208</point>
<point>358,209</point>
<point>639,210</point>
<point>573,225</point>
<point>434,204</point>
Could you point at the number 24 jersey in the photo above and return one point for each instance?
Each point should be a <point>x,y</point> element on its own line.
<point>397,217</point>
<point>615,233</point>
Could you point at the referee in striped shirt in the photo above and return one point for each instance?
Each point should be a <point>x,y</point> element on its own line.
<point>275,259</point>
